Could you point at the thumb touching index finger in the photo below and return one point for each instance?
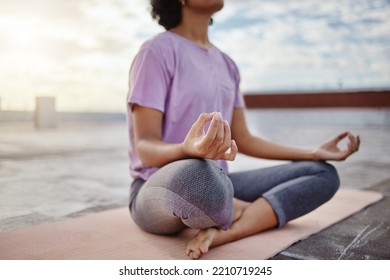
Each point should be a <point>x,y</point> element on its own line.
<point>200,123</point>
<point>341,136</point>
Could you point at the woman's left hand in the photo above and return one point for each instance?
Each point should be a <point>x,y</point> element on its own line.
<point>330,151</point>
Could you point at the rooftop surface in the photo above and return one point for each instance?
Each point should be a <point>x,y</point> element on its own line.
<point>80,168</point>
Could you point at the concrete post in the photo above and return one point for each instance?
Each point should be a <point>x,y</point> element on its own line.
<point>45,112</point>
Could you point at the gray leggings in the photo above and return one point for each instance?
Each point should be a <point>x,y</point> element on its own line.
<point>196,193</point>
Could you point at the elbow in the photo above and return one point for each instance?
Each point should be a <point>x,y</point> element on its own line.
<point>142,152</point>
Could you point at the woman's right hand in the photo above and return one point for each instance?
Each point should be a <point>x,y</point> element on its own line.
<point>211,145</point>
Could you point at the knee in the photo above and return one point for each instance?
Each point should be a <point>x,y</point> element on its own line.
<point>331,178</point>
<point>204,185</point>
<point>332,174</point>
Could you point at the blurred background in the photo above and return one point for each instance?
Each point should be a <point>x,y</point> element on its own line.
<point>80,51</point>
<point>64,78</point>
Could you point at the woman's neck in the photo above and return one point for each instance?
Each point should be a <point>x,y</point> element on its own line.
<point>194,27</point>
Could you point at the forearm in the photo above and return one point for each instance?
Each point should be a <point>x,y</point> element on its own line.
<point>156,153</point>
<point>261,148</point>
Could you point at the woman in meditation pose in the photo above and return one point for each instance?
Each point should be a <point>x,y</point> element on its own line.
<point>186,120</point>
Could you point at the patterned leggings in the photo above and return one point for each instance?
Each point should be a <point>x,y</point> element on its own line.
<point>198,194</point>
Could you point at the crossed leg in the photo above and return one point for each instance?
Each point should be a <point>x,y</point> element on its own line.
<point>293,190</point>
<point>247,221</point>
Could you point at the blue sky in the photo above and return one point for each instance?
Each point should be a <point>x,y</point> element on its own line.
<point>80,51</point>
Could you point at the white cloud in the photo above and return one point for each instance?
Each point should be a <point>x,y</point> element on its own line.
<point>310,44</point>
<point>80,50</point>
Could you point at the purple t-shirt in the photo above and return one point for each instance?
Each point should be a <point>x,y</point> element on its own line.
<point>181,79</point>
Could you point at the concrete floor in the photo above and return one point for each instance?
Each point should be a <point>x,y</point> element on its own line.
<point>364,236</point>
<point>80,168</point>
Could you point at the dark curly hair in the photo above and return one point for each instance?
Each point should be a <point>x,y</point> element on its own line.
<point>167,12</point>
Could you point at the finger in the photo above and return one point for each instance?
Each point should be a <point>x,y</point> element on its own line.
<point>219,138</point>
<point>353,141</point>
<point>341,136</point>
<point>200,123</point>
<point>214,133</point>
<point>357,143</point>
<point>227,138</point>
<point>233,151</point>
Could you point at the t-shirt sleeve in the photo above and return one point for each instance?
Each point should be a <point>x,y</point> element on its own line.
<point>149,80</point>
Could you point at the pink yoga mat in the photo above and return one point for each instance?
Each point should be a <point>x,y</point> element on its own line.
<point>113,235</point>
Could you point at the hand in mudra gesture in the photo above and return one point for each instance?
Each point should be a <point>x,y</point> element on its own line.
<point>213,144</point>
<point>330,150</point>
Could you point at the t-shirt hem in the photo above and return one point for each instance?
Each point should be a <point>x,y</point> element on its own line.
<point>146,103</point>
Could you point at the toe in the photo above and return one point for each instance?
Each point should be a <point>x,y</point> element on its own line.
<point>188,251</point>
<point>196,254</point>
<point>204,248</point>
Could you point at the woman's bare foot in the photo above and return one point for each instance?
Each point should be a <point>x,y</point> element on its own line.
<point>249,219</point>
<point>201,243</point>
